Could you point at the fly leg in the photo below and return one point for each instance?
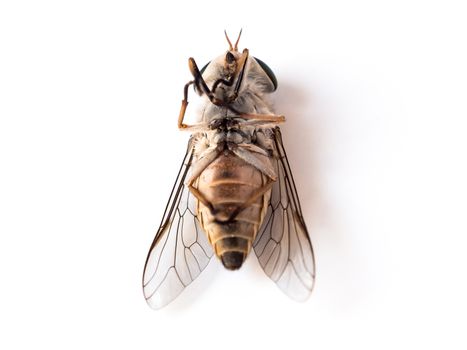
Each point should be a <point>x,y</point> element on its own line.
<point>242,63</point>
<point>199,196</point>
<point>201,85</point>
<point>206,158</point>
<point>262,118</point>
<point>258,158</point>
<point>181,116</point>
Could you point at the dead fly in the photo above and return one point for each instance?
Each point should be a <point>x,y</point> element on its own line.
<point>235,189</point>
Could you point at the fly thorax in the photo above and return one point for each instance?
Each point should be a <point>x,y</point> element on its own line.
<point>235,136</point>
<point>218,137</point>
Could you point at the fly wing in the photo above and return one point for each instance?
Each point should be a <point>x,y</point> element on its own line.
<point>180,250</point>
<point>283,245</point>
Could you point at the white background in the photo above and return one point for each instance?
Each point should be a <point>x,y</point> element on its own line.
<point>375,96</point>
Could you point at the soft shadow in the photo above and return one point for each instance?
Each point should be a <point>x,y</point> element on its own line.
<point>302,142</point>
<point>304,135</point>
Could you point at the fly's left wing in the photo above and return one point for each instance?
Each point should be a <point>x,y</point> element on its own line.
<point>283,245</point>
<point>180,250</point>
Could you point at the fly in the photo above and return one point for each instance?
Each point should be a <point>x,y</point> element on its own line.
<point>234,191</point>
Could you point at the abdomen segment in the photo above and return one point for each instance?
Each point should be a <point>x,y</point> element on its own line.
<point>227,185</point>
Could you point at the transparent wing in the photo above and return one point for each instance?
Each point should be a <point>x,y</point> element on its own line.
<point>283,245</point>
<point>180,250</point>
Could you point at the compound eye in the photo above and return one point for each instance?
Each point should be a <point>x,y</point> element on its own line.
<point>268,71</point>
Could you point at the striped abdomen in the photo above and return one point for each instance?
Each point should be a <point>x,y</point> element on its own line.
<point>227,184</point>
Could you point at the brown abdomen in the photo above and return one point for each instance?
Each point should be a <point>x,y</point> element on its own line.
<point>227,184</point>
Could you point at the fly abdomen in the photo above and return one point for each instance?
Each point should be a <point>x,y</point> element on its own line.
<point>232,251</point>
<point>231,220</point>
<point>232,241</point>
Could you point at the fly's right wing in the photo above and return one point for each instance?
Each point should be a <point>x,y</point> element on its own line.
<point>283,245</point>
<point>180,250</point>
